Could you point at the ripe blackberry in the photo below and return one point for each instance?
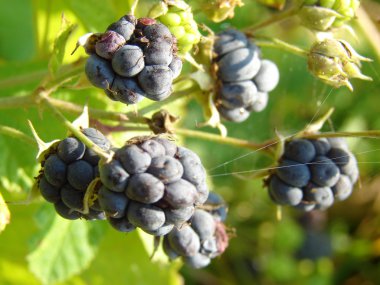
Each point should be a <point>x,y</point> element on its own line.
<point>152,184</point>
<point>313,173</point>
<point>66,173</point>
<point>133,59</point>
<point>204,239</point>
<point>243,78</point>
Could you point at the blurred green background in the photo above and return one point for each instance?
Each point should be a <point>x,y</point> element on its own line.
<point>338,246</point>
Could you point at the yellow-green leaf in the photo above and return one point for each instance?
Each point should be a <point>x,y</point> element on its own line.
<point>60,45</point>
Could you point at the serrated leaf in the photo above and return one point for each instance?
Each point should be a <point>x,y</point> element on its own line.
<point>5,215</point>
<point>67,248</point>
<point>59,48</point>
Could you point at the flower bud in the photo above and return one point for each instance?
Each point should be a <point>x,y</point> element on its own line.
<point>219,10</point>
<point>323,15</point>
<point>335,62</point>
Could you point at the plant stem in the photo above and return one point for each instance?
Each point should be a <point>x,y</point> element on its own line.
<point>17,102</point>
<point>273,19</point>
<point>209,137</point>
<point>95,113</point>
<point>77,133</point>
<point>23,78</point>
<point>276,43</point>
<point>360,134</point>
<point>16,134</point>
<point>222,140</point>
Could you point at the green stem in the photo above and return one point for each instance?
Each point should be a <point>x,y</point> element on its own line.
<point>209,137</point>
<point>94,113</point>
<point>23,78</point>
<point>273,20</point>
<point>222,140</point>
<point>14,133</point>
<point>17,102</point>
<point>77,133</point>
<point>360,134</point>
<point>276,43</point>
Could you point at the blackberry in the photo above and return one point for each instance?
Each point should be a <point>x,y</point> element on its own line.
<point>243,78</point>
<point>66,173</point>
<point>133,59</point>
<point>321,171</point>
<point>152,184</point>
<point>204,239</point>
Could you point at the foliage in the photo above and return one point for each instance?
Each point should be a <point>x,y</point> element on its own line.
<point>35,61</point>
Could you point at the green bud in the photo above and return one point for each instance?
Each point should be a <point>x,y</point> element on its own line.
<point>171,19</point>
<point>318,18</point>
<point>341,4</point>
<point>327,14</point>
<point>219,10</point>
<point>178,31</point>
<point>335,62</point>
<point>187,39</point>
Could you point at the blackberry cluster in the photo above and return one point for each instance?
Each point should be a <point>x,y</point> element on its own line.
<point>133,59</point>
<point>152,184</point>
<point>183,26</point>
<point>66,173</point>
<point>313,173</point>
<point>205,238</point>
<point>244,79</point>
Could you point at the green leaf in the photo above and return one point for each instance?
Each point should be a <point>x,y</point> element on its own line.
<point>15,273</point>
<point>17,30</point>
<point>67,248</point>
<point>60,45</point>
<point>126,253</point>
<point>95,15</point>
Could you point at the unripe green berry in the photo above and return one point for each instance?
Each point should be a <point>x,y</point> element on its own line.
<point>178,31</point>
<point>170,19</point>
